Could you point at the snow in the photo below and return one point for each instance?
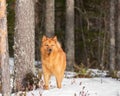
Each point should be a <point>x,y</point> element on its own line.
<point>80,87</point>
<point>100,86</point>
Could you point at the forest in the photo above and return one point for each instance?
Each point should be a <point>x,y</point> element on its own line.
<point>88,31</point>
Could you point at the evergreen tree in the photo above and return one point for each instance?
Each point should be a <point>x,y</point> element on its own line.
<point>69,36</point>
<point>117,36</point>
<point>4,54</point>
<point>112,36</point>
<point>24,40</point>
<point>49,18</point>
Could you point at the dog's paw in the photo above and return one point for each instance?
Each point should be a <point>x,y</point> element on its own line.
<point>46,87</point>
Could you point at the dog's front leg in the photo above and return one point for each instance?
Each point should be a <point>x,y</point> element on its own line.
<point>59,78</point>
<point>46,78</point>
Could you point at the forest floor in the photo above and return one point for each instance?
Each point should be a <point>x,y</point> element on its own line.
<point>97,86</point>
<point>80,87</point>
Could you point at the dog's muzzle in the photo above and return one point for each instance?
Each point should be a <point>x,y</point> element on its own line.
<point>49,51</point>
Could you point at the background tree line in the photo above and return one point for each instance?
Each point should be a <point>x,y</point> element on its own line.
<point>88,31</point>
<point>91,28</point>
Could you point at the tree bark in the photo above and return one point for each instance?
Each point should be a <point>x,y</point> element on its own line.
<point>38,24</point>
<point>4,54</point>
<point>118,36</point>
<point>50,18</point>
<point>112,35</point>
<point>24,40</point>
<point>69,45</point>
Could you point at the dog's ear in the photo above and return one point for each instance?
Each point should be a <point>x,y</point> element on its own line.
<point>55,38</point>
<point>44,38</point>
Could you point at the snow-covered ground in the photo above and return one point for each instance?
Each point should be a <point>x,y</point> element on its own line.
<point>81,87</point>
<point>101,86</point>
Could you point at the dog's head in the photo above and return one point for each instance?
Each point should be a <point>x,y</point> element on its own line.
<point>49,44</point>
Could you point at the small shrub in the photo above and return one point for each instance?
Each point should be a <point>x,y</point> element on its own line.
<point>82,71</point>
<point>30,82</point>
<point>115,74</point>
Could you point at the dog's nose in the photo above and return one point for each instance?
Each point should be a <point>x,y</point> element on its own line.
<point>50,50</point>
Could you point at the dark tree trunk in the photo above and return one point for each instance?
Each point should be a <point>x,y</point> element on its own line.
<point>49,18</point>
<point>69,45</point>
<point>24,40</point>
<point>4,54</point>
<point>118,36</point>
<point>112,35</point>
<point>39,23</point>
<point>59,17</point>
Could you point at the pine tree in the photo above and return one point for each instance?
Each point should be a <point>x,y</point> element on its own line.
<point>24,40</point>
<point>69,40</point>
<point>4,54</point>
<point>117,36</point>
<point>112,35</point>
<point>49,18</point>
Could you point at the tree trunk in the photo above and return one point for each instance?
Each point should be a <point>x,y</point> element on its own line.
<point>118,36</point>
<point>24,40</point>
<point>59,17</point>
<point>4,54</point>
<point>112,36</point>
<point>70,34</point>
<point>38,24</point>
<point>49,18</point>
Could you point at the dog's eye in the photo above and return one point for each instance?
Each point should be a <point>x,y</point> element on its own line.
<point>46,45</point>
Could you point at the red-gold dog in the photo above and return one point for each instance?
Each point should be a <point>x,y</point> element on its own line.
<point>53,60</point>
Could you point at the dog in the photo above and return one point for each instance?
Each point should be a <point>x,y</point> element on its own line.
<point>53,60</point>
